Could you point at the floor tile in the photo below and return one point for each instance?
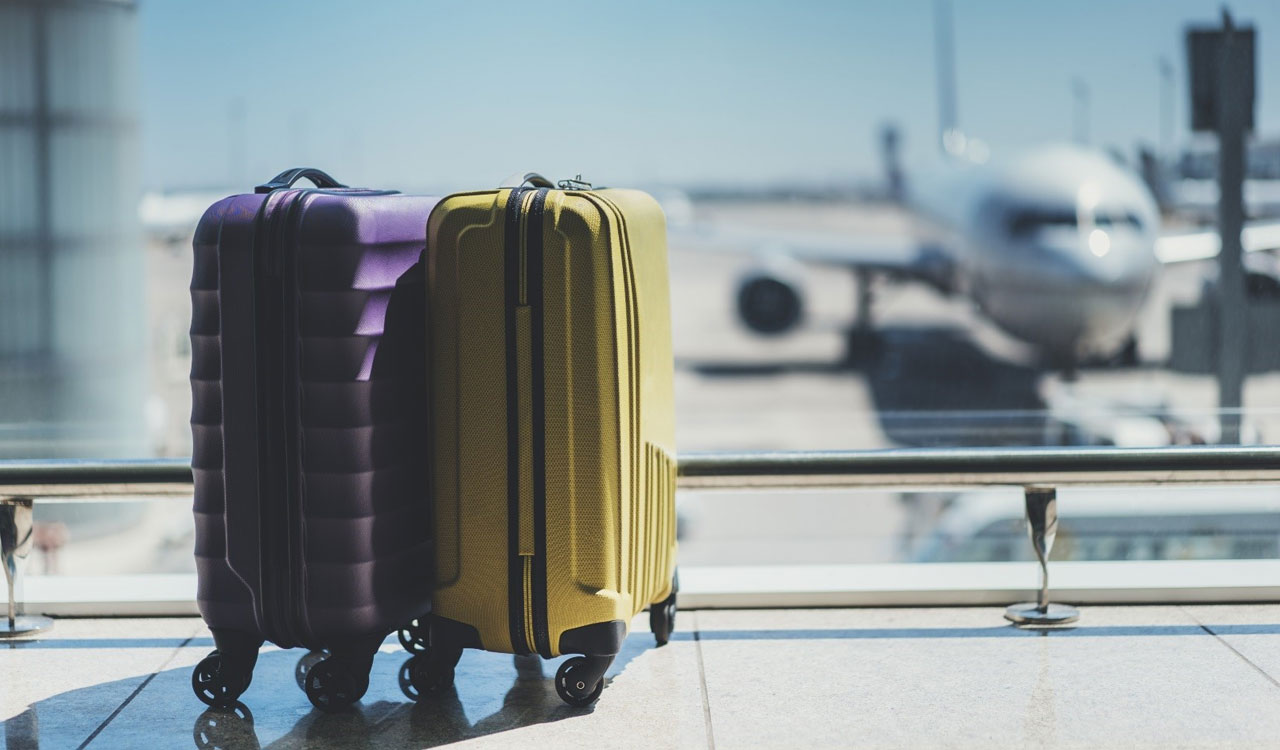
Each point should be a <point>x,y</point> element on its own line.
<point>57,690</point>
<point>494,704</point>
<point>1159,676</point>
<point>1126,677</point>
<point>1252,630</point>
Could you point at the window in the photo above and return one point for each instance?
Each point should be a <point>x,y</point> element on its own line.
<point>797,149</point>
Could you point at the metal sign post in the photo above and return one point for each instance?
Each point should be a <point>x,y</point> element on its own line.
<point>1042,525</point>
<point>16,525</point>
<point>1222,92</point>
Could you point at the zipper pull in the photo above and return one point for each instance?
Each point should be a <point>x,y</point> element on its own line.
<point>577,183</point>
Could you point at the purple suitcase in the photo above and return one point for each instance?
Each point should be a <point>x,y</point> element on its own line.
<point>308,422</point>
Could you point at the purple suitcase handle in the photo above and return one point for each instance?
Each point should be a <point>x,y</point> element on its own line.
<point>286,179</point>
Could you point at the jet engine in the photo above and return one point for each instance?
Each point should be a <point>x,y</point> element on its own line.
<point>769,303</point>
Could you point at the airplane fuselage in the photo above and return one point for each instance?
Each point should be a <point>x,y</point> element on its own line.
<point>1057,247</point>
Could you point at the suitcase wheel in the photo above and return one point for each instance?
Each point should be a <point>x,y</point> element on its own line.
<point>406,680</point>
<point>332,685</point>
<point>574,683</point>
<point>430,674</point>
<point>414,637</point>
<point>662,616</point>
<point>215,684</point>
<point>304,665</point>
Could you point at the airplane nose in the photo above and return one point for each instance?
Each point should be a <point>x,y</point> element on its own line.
<point>1111,276</point>
<point>1108,259</point>
<point>1075,294</point>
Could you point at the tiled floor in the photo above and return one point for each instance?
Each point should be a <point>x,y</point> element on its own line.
<point>1189,676</point>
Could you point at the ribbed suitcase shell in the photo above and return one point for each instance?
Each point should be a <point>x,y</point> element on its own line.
<point>608,542</point>
<point>363,543</point>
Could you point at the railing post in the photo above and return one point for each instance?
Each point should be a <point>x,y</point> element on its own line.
<point>16,528</point>
<point>1042,525</point>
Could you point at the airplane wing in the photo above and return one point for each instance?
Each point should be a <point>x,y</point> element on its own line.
<point>1183,248</point>
<point>898,255</point>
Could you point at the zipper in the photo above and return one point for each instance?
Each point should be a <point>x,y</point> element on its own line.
<point>526,422</point>
<point>276,329</point>
<point>268,288</point>
<point>540,638</point>
<point>528,605</point>
<point>525,398</point>
<point>294,568</point>
<point>519,567</point>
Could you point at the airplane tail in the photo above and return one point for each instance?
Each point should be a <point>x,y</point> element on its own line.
<point>952,141</point>
<point>949,135</point>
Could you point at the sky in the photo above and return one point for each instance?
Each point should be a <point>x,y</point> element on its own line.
<point>432,95</point>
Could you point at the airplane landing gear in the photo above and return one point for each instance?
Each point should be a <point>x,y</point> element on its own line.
<point>863,343</point>
<point>862,346</point>
<point>1128,356</point>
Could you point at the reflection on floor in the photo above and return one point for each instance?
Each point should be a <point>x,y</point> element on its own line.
<point>1155,676</point>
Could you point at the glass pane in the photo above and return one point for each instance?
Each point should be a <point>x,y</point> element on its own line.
<point>894,226</point>
<point>73,364</point>
<point>17,75</point>
<point>1112,525</point>
<point>128,536</point>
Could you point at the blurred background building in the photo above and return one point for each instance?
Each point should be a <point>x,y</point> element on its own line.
<point>73,366</point>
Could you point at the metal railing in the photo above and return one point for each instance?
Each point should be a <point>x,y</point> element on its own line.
<point>983,467</point>
<point>53,479</point>
<point>1039,471</point>
<point>894,468</point>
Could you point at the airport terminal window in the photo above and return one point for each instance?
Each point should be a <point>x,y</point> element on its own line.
<point>846,158</point>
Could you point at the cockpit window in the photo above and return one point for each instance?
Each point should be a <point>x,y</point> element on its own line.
<point>1026,223</point>
<point>1108,221</point>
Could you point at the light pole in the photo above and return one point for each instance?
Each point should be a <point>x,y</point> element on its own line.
<point>1166,108</point>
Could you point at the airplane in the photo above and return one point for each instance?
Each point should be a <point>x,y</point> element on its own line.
<point>1057,245</point>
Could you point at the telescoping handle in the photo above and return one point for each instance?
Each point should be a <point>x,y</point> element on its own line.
<point>536,180</point>
<point>286,179</point>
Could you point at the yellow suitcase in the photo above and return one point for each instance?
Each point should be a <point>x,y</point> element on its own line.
<point>552,437</point>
